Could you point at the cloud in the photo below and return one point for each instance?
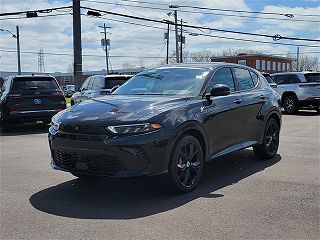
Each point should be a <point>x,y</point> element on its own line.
<point>136,43</point>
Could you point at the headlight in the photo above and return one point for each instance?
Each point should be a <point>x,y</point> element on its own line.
<point>134,128</point>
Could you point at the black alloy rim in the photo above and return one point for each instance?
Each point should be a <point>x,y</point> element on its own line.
<point>272,138</point>
<point>189,162</point>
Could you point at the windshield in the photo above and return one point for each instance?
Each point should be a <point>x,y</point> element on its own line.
<point>34,83</point>
<point>165,81</point>
<point>312,77</point>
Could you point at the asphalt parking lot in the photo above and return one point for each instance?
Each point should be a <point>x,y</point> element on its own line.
<point>239,197</point>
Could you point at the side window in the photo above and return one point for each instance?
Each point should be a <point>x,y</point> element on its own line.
<point>244,78</point>
<point>6,84</point>
<point>280,79</point>
<point>85,84</point>
<point>294,79</point>
<point>90,83</point>
<point>222,76</point>
<point>96,85</point>
<point>255,78</point>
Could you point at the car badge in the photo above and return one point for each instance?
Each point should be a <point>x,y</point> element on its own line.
<point>37,101</point>
<point>77,128</point>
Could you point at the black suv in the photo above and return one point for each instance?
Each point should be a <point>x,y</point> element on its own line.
<point>29,99</point>
<point>169,120</point>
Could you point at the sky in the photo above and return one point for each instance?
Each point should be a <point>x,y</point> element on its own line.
<point>142,45</point>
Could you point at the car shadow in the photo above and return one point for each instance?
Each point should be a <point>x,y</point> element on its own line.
<point>25,129</point>
<point>140,197</point>
<point>304,113</point>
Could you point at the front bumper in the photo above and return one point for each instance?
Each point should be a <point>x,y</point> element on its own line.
<point>311,101</point>
<point>111,156</point>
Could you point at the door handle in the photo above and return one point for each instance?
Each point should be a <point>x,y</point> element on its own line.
<point>237,101</point>
<point>262,97</point>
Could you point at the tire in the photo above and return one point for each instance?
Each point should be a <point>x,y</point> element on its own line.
<point>290,105</point>
<point>317,109</point>
<point>185,168</point>
<point>269,147</point>
<point>4,125</point>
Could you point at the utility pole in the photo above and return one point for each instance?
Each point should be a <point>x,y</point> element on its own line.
<point>176,32</point>
<point>18,50</point>
<point>167,38</point>
<point>181,41</point>
<point>297,59</point>
<point>106,43</point>
<point>77,49</point>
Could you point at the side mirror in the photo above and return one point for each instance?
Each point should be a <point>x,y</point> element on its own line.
<point>218,90</point>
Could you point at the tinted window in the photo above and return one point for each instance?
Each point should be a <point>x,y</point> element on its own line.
<point>286,79</point>
<point>165,81</point>
<point>222,76</point>
<point>34,83</point>
<point>255,78</point>
<point>244,78</point>
<point>312,77</point>
<point>110,82</point>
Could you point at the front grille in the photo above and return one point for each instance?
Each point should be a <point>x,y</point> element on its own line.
<point>79,137</point>
<point>81,129</point>
<point>90,163</point>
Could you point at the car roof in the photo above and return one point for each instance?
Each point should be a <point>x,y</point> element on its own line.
<point>32,76</point>
<point>118,75</point>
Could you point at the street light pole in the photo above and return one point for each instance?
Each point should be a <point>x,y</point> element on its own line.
<point>18,50</point>
<point>17,36</point>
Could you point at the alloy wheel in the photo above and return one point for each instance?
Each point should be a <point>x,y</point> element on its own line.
<point>272,138</point>
<point>289,105</point>
<point>188,164</point>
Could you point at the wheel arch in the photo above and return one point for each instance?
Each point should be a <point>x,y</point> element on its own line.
<point>275,115</point>
<point>192,128</point>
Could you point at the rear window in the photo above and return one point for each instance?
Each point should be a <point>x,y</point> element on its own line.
<point>34,83</point>
<point>312,77</point>
<point>110,82</point>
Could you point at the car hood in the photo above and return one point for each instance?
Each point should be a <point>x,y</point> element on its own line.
<point>120,108</point>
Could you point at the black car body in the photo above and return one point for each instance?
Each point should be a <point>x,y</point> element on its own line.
<point>138,130</point>
<point>30,99</point>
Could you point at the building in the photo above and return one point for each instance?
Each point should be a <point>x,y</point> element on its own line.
<point>261,62</point>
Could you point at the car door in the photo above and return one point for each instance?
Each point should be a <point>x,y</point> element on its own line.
<point>254,98</point>
<point>225,115</point>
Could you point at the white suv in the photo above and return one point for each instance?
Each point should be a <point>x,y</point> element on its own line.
<point>98,85</point>
<point>298,90</point>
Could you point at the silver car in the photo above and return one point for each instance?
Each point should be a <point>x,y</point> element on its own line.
<point>298,90</point>
<point>98,85</point>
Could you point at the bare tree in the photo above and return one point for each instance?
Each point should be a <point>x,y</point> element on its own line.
<point>306,63</point>
<point>129,66</point>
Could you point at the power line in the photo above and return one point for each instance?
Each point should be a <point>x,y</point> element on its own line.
<point>223,10</point>
<point>51,15</point>
<point>46,10</point>
<point>276,37</point>
<point>85,55</point>
<point>199,12</point>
